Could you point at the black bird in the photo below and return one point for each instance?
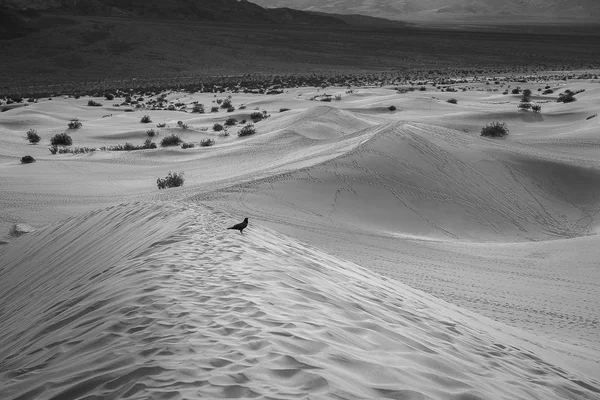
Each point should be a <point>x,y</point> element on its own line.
<point>241,226</point>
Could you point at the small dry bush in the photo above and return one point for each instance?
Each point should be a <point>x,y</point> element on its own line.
<point>146,119</point>
<point>247,130</point>
<point>27,160</point>
<point>92,103</point>
<point>452,101</point>
<point>171,140</point>
<point>33,136</point>
<point>75,124</point>
<point>495,130</point>
<point>207,142</point>
<point>173,179</point>
<point>61,139</point>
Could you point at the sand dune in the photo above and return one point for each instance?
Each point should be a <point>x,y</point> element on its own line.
<point>159,301</point>
<point>132,292</point>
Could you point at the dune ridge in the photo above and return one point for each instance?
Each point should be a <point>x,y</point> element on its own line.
<point>184,308</point>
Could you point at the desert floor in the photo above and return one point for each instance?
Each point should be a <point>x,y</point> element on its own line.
<point>390,254</point>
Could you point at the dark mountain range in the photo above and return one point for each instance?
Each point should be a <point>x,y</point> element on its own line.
<point>241,11</point>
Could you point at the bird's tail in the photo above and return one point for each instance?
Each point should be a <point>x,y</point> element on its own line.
<point>231,227</point>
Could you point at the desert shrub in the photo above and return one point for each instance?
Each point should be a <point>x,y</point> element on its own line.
<point>495,130</point>
<point>149,144</point>
<point>591,116</point>
<point>452,100</point>
<point>257,116</point>
<point>224,133</point>
<point>146,119</point>
<point>93,103</point>
<point>338,97</point>
<point>566,97</point>
<point>188,146</point>
<point>392,108</point>
<point>214,109</point>
<point>247,130</point>
<point>548,91</point>
<point>536,108</point>
<point>230,121</point>
<point>27,160</point>
<point>525,99</point>
<point>171,107</point>
<point>231,109</point>
<point>162,125</point>
<point>527,93</point>
<point>242,107</point>
<point>33,136</point>
<point>71,150</point>
<point>284,109</point>
<point>207,142</point>
<point>109,96</point>
<point>75,124</point>
<point>61,139</point>
<point>516,91</point>
<point>198,108</point>
<point>217,127</point>
<point>171,140</point>
<point>422,88</point>
<point>53,149</point>
<point>226,103</point>
<point>524,106</point>
<point>151,132</point>
<point>182,125</point>
<point>173,179</point>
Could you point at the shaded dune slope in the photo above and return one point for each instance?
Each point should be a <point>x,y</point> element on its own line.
<point>421,180</point>
<point>160,301</point>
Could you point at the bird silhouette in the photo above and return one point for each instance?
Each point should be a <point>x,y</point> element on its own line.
<point>241,226</point>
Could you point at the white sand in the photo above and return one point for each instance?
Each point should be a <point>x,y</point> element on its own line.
<point>156,300</point>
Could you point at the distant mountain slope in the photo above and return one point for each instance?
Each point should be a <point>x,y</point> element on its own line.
<point>205,10</point>
<point>409,9</point>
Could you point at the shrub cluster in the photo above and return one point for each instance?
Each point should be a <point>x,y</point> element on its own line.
<point>171,140</point>
<point>188,146</point>
<point>33,136</point>
<point>93,103</point>
<point>536,108</point>
<point>247,130</point>
<point>495,130</point>
<point>257,116</point>
<point>173,179</point>
<point>61,139</point>
<point>207,142</point>
<point>392,108</point>
<point>71,150</point>
<point>27,160</point>
<point>75,124</point>
<point>145,119</point>
<point>452,101</point>
<point>230,121</point>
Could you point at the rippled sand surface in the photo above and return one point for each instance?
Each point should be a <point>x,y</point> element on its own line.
<point>160,301</point>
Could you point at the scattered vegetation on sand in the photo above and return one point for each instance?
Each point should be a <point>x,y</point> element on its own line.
<point>214,109</point>
<point>247,130</point>
<point>146,119</point>
<point>151,132</point>
<point>161,125</point>
<point>92,103</point>
<point>61,139</point>
<point>257,116</point>
<point>284,109</point>
<point>392,108</point>
<point>109,96</point>
<point>198,108</point>
<point>516,90</point>
<point>71,150</point>
<point>536,108</point>
<point>188,145</point>
<point>548,91</point>
<point>524,106</point>
<point>568,96</point>
<point>171,140</point>
<point>495,130</point>
<point>452,101</point>
<point>33,136</point>
<point>230,121</point>
<point>207,142</point>
<point>182,125</point>
<point>217,127</point>
<point>148,144</point>
<point>27,160</point>
<point>75,124</point>
<point>173,179</point>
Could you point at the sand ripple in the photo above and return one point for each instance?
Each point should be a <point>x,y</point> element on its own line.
<point>159,301</point>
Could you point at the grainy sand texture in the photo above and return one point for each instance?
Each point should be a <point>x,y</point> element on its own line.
<point>392,253</point>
